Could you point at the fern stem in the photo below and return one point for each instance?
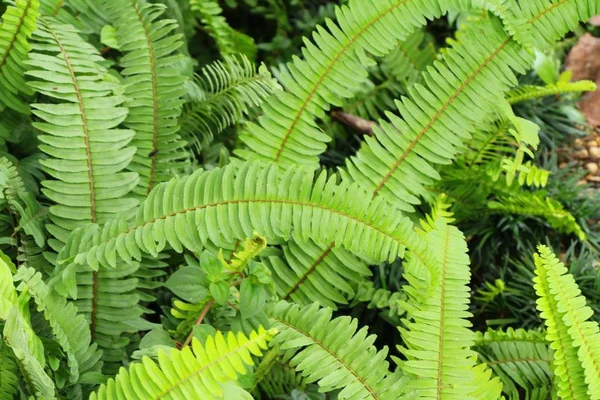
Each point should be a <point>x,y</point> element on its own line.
<point>198,322</point>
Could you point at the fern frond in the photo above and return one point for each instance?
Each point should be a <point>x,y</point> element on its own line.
<point>487,387</point>
<point>190,373</point>
<point>70,328</point>
<point>18,24</point>
<point>9,383</point>
<point>574,313</point>
<point>567,367</point>
<point>333,353</point>
<point>397,163</point>
<point>32,370</point>
<point>154,87</point>
<point>233,202</point>
<point>228,40</point>
<point>381,299</point>
<point>522,360</point>
<point>333,69</point>
<point>436,332</point>
<point>228,89</point>
<point>549,20</point>
<point>87,153</point>
<point>308,272</point>
<point>530,92</point>
<point>538,204</point>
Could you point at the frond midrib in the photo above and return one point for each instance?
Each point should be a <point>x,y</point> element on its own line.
<point>310,270</point>
<point>438,115</point>
<point>330,66</point>
<point>322,345</point>
<point>547,11</point>
<point>442,315</point>
<point>95,279</point>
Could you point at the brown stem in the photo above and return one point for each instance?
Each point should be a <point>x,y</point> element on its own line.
<point>361,125</point>
<point>198,322</point>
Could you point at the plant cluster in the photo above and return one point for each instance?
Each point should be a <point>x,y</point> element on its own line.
<point>180,222</point>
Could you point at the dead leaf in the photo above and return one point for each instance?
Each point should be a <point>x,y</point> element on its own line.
<point>584,61</point>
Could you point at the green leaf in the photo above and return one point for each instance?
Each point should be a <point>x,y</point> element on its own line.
<point>253,298</point>
<point>219,291</point>
<point>189,283</point>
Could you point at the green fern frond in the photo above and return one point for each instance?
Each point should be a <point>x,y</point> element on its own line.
<point>522,360</point>
<point>397,162</point>
<point>191,373</point>
<point>436,332</point>
<point>530,92</point>
<point>487,387</point>
<point>538,204</point>
<point>32,370</point>
<point>9,383</point>
<point>333,69</point>
<point>221,204</point>
<point>308,272</point>
<point>228,40</point>
<point>70,328</point>
<point>87,153</point>
<point>333,353</point>
<point>564,310</point>
<point>381,299</point>
<point>154,87</point>
<point>228,89</point>
<point>568,369</point>
<point>550,20</point>
<point>18,24</point>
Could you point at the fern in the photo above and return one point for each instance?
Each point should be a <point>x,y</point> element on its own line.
<point>88,183</point>
<point>530,92</point>
<point>436,331</point>
<point>567,367</point>
<point>153,89</point>
<point>522,360</point>
<point>189,373</point>
<point>564,309</point>
<point>8,373</point>
<point>308,272</point>
<point>381,299</point>
<point>18,23</point>
<point>70,329</point>
<point>228,90</point>
<point>291,200</point>
<point>333,353</point>
<point>228,40</point>
<point>332,70</point>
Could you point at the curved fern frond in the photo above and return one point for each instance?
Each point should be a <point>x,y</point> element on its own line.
<point>32,370</point>
<point>538,204</point>
<point>486,386</point>
<point>154,87</point>
<point>574,314</point>
<point>530,92</point>
<point>397,162</point>
<point>308,272</point>
<point>333,353</point>
<point>436,332</point>
<point>70,328</point>
<point>567,367</point>
<point>87,153</point>
<point>228,40</point>
<point>333,69</point>
<point>522,360</point>
<point>18,24</point>
<point>9,383</point>
<point>192,373</point>
<point>549,20</point>
<point>381,299</point>
<point>233,202</point>
<point>228,89</point>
